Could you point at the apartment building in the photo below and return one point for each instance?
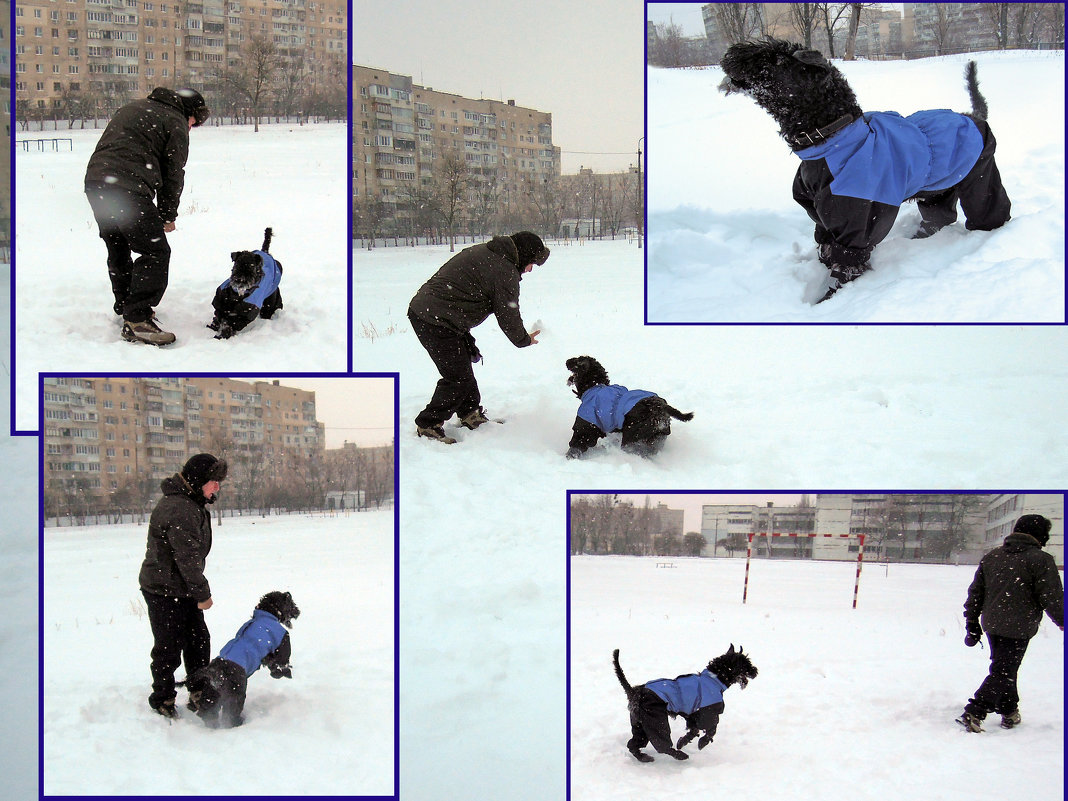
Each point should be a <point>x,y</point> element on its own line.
<point>102,53</point>
<point>404,133</point>
<point>101,434</point>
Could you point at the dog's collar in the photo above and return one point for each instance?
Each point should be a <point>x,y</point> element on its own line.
<point>805,139</point>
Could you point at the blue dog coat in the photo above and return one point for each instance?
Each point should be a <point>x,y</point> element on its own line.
<point>272,277</point>
<point>254,640</point>
<point>889,158</point>
<point>686,694</point>
<point>605,406</point>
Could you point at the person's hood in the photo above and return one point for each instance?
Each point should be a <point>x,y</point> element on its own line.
<point>167,97</point>
<point>1018,541</point>
<point>504,246</point>
<point>177,485</point>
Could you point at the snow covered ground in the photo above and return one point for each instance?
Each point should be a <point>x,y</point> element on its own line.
<point>292,178</point>
<point>328,731</point>
<point>849,703</point>
<point>727,243</point>
<point>483,522</point>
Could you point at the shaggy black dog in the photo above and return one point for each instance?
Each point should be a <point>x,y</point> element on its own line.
<point>857,168</point>
<point>217,691</point>
<point>251,291</point>
<point>642,416</point>
<point>698,697</point>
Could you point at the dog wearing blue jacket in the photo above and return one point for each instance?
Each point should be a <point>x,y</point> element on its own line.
<point>857,168</point>
<point>217,691</point>
<point>251,291</point>
<point>643,417</point>
<point>696,697</point>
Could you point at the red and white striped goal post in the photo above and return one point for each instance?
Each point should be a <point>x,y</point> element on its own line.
<point>860,556</point>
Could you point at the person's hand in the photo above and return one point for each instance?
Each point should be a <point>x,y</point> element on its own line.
<point>534,336</point>
<point>204,604</point>
<point>168,227</point>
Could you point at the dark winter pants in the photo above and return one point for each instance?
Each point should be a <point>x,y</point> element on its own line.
<point>457,391</point>
<point>982,197</point>
<point>178,630</point>
<point>649,722</point>
<point>131,223</point>
<point>998,692</point>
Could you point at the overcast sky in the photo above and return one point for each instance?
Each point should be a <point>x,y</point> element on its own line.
<point>583,62</point>
<point>353,409</point>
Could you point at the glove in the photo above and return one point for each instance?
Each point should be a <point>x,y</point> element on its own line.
<point>972,635</point>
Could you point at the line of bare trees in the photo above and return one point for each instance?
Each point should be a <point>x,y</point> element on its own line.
<point>823,25</point>
<point>459,200</point>
<point>255,483</point>
<point>263,83</point>
<point>601,524</point>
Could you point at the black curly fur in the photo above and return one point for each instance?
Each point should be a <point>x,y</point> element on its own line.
<point>586,372</point>
<point>281,605</point>
<point>798,87</point>
<point>971,81</point>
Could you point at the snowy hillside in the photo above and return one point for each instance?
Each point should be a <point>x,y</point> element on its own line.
<point>727,243</point>
<point>236,185</point>
<point>483,522</point>
<point>328,731</point>
<point>854,704</point>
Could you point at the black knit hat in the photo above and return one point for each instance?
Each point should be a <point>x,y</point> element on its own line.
<point>194,106</point>
<point>202,468</point>
<point>1036,526</point>
<point>531,249</point>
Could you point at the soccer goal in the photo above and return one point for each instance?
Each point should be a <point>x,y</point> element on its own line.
<point>860,556</point>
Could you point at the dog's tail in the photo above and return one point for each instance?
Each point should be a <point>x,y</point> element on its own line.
<point>267,234</point>
<point>619,674</point>
<point>979,109</point>
<point>683,416</point>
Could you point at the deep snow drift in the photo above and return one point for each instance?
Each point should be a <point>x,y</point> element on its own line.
<point>327,731</point>
<point>289,177</point>
<point>849,703</point>
<point>483,522</point>
<point>727,243</point>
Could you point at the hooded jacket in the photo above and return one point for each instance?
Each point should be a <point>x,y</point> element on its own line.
<point>272,277</point>
<point>1013,586</point>
<point>260,636</point>
<point>605,405</point>
<point>143,150</point>
<point>852,184</point>
<point>179,539</point>
<point>478,281</point>
<point>686,694</point>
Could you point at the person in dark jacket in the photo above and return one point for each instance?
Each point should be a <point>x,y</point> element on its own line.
<point>1013,586</point>
<point>478,281</point>
<point>134,182</point>
<point>172,577</point>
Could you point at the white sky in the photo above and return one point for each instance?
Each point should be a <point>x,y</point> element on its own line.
<point>583,62</point>
<point>353,408</point>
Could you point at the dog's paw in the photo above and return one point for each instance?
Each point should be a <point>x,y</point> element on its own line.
<point>703,742</point>
<point>641,757</point>
<point>680,755</point>
<point>282,672</point>
<point>223,331</point>
<point>573,453</point>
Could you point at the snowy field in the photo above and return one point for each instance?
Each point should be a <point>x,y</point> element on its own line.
<point>727,243</point>
<point>483,522</point>
<point>328,731</point>
<point>289,177</point>
<point>849,703</point>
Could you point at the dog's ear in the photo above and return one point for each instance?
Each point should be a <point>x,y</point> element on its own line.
<point>731,649</point>
<point>812,58</point>
<point>235,254</point>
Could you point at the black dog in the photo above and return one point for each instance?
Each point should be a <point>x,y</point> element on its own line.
<point>698,697</point>
<point>857,168</point>
<point>642,416</point>
<point>217,691</point>
<point>251,291</point>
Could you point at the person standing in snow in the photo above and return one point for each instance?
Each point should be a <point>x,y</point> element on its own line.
<point>134,182</point>
<point>476,282</point>
<point>172,575</point>
<point>1013,586</point>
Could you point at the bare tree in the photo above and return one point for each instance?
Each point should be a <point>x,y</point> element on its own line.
<point>854,26</point>
<point>614,201</point>
<point>739,22</point>
<point>996,16</point>
<point>450,183</point>
<point>668,48</point>
<point>253,78</point>
<point>804,17</point>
